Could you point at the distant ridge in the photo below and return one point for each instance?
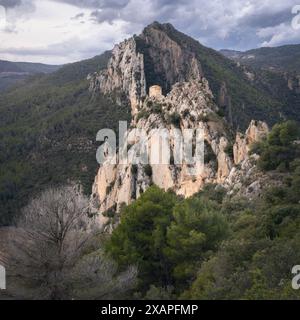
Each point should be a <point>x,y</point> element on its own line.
<point>13,72</point>
<point>281,59</point>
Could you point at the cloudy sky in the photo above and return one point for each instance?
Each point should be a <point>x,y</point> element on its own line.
<point>61,31</point>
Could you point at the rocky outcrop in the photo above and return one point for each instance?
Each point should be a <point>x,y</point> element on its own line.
<point>225,102</point>
<point>140,62</point>
<point>118,184</point>
<point>166,60</point>
<point>244,178</point>
<point>180,98</point>
<point>192,102</point>
<point>256,131</point>
<point>293,82</point>
<point>124,75</point>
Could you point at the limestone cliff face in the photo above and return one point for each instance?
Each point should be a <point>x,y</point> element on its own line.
<point>244,177</point>
<point>257,130</point>
<point>136,64</point>
<point>225,102</point>
<point>154,59</point>
<point>166,61</point>
<point>193,103</point>
<point>124,74</point>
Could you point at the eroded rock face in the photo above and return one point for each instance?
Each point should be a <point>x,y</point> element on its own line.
<point>193,104</point>
<point>256,131</point>
<point>140,62</point>
<point>186,102</point>
<point>124,74</point>
<point>293,82</point>
<point>225,102</point>
<point>244,178</point>
<point>171,62</point>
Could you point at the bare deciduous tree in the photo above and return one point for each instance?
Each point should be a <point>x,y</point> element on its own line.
<point>96,277</point>
<point>48,251</point>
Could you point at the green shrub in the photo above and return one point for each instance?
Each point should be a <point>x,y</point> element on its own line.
<point>209,154</point>
<point>229,150</point>
<point>110,213</point>
<point>185,113</point>
<point>156,108</point>
<point>134,169</point>
<point>202,118</point>
<point>221,113</point>
<point>174,118</point>
<point>109,188</point>
<point>148,170</point>
<point>196,231</point>
<point>141,237</point>
<point>279,149</point>
<point>143,114</point>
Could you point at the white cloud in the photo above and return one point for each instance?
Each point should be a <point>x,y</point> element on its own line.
<point>47,30</point>
<point>279,35</point>
<point>52,36</point>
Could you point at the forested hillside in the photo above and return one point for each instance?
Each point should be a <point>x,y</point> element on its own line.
<point>214,245</point>
<point>12,73</point>
<point>280,59</point>
<point>48,128</point>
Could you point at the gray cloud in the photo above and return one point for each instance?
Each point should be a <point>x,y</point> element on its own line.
<point>15,10</point>
<point>107,15</point>
<point>10,3</point>
<point>97,4</point>
<point>235,24</point>
<point>267,19</point>
<point>78,16</point>
<point>19,7</point>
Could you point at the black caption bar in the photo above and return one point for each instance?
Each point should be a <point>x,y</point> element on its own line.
<point>97,310</point>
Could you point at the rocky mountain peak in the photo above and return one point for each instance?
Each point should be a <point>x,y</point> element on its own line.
<point>167,60</point>
<point>166,27</point>
<point>152,58</point>
<point>162,79</point>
